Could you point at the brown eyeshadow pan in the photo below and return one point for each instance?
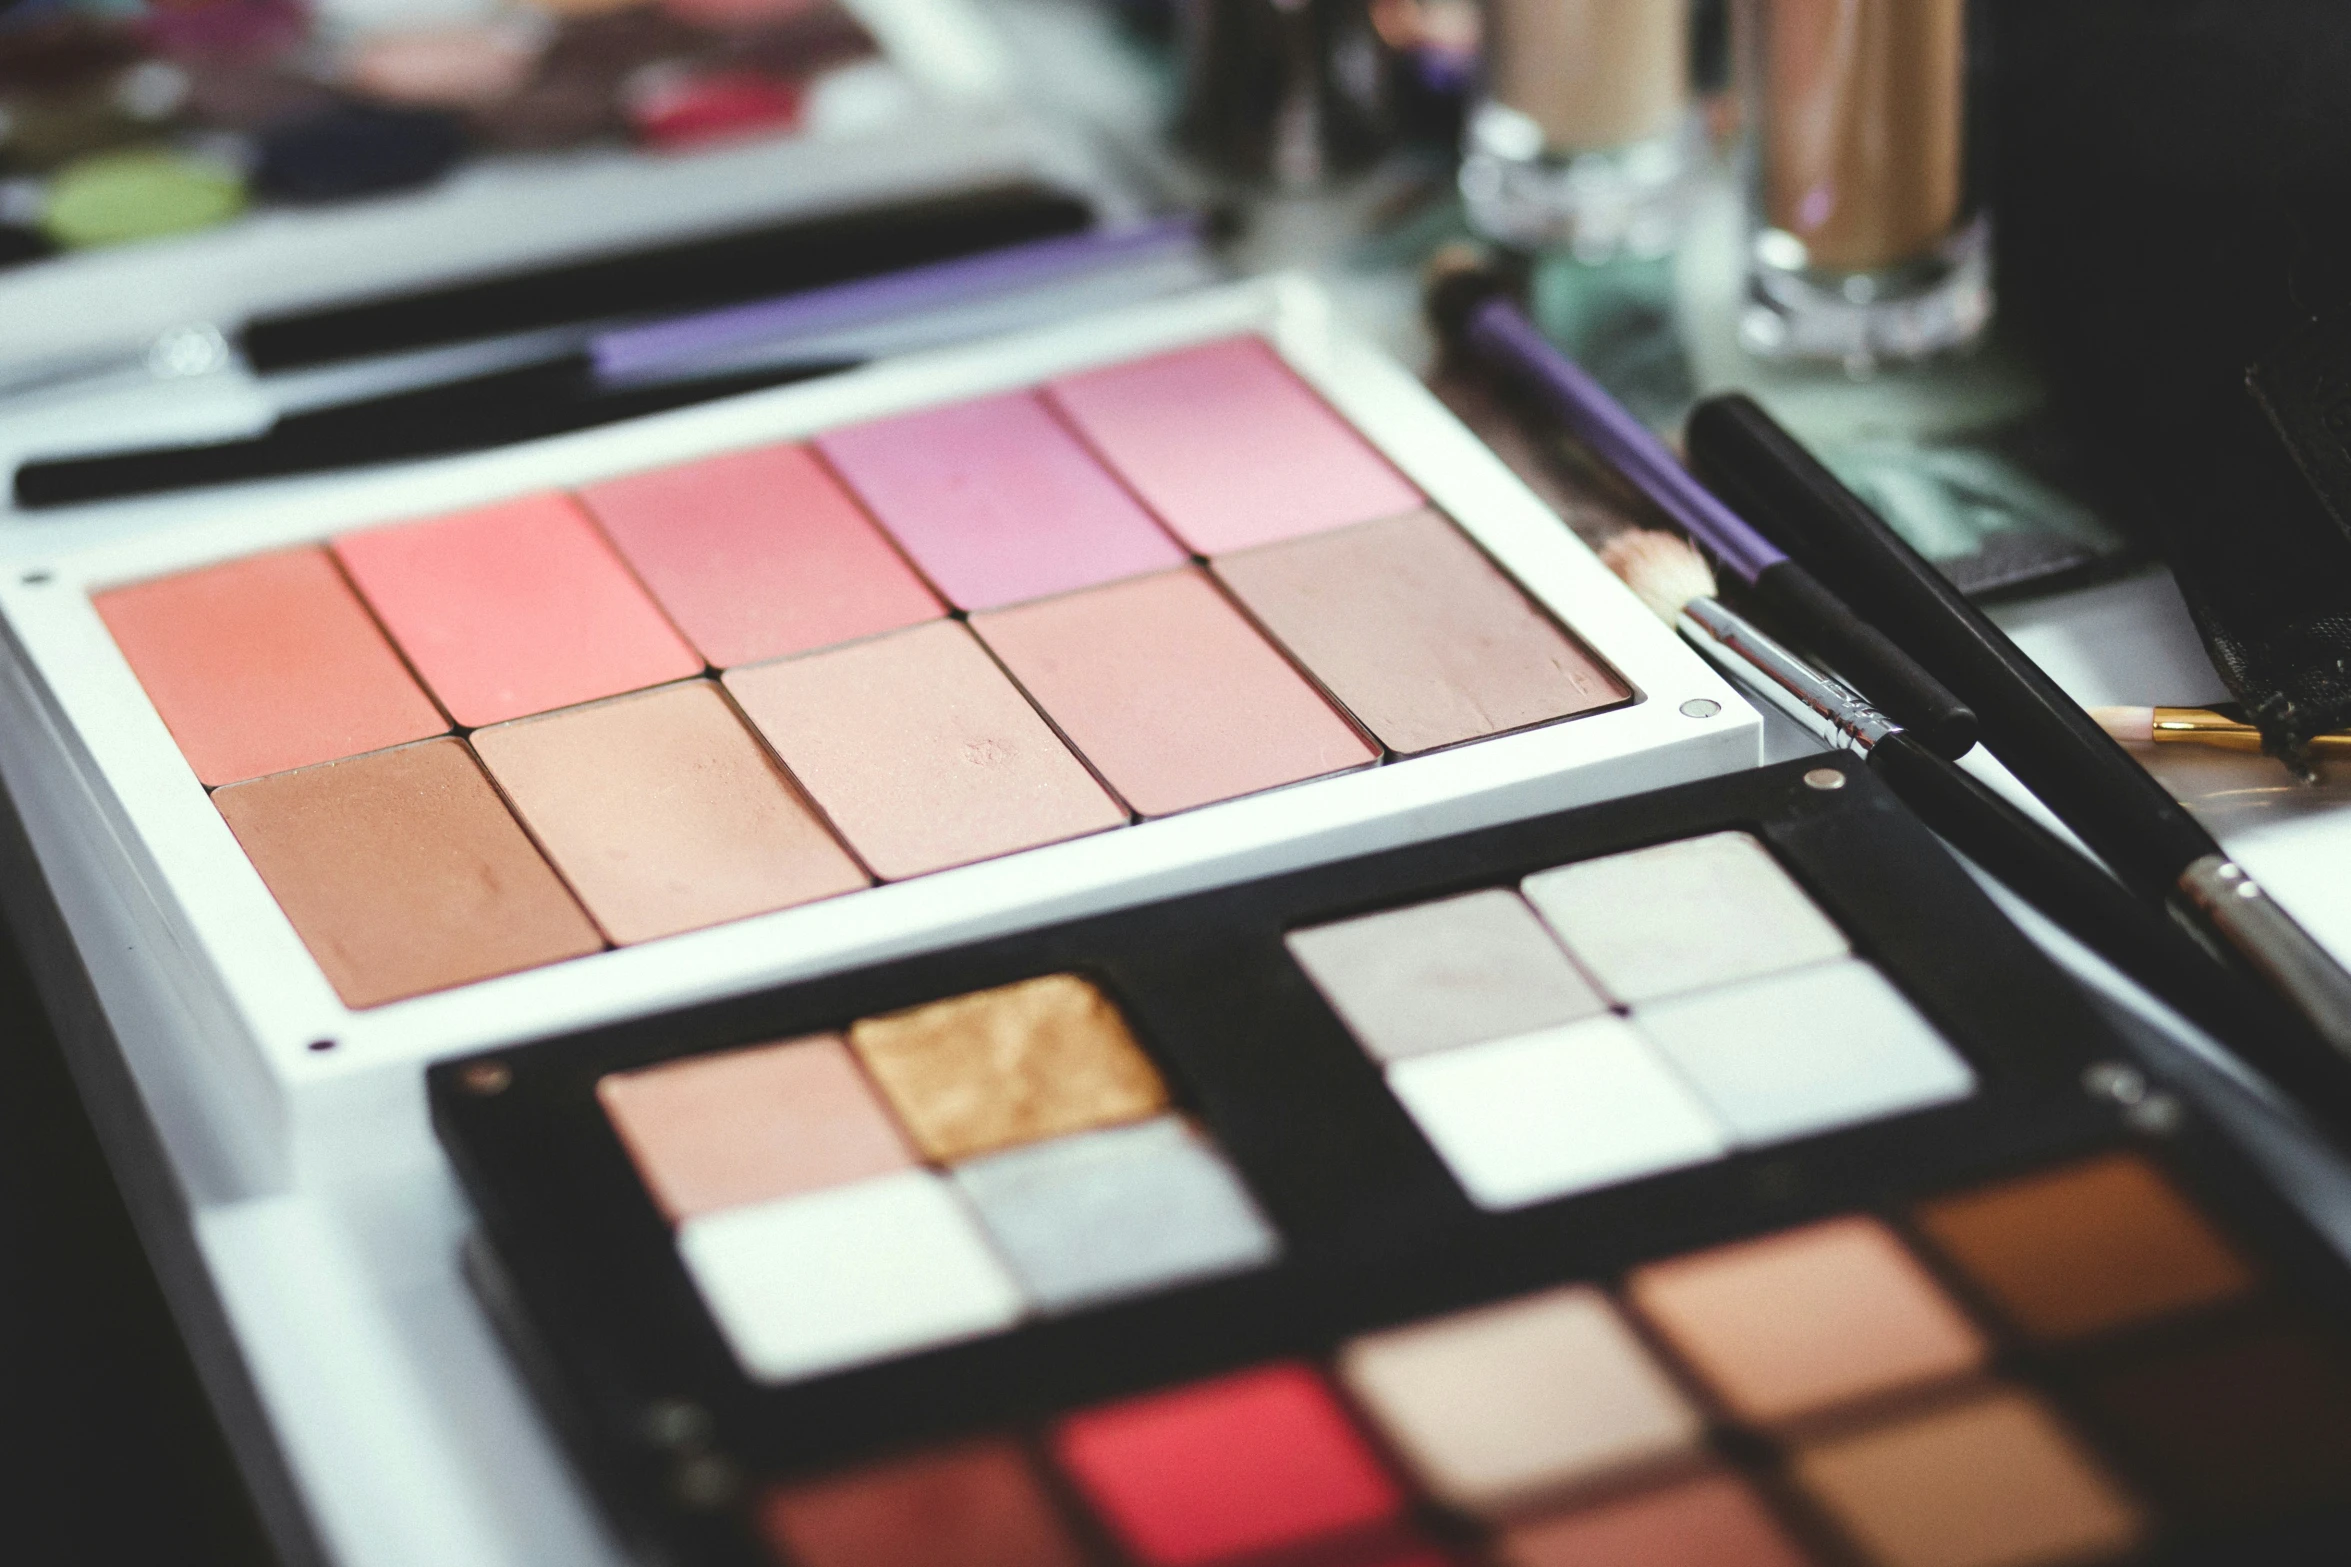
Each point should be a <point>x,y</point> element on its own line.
<point>403,872</point>
<point>1712,1521</point>
<point>1808,1320</point>
<point>2254,1423</point>
<point>1416,633</point>
<point>2086,1249</point>
<point>1996,1481</point>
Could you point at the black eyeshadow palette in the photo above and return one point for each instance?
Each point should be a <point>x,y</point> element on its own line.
<point>1709,1176</point>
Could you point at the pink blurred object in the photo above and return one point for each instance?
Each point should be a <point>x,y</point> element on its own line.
<point>679,106</point>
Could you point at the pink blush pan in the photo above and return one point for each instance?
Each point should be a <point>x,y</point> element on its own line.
<point>1229,448</point>
<point>920,752</point>
<point>997,502</point>
<point>760,554</point>
<point>1172,696</point>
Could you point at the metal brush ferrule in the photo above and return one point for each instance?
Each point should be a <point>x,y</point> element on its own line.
<point>1826,707</point>
<point>2232,905</point>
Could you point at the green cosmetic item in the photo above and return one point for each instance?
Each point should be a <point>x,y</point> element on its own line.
<point>143,193</point>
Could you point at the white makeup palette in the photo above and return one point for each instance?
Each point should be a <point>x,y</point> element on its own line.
<point>285,1035</point>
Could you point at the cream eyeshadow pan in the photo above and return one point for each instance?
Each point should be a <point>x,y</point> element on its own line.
<point>937,638</point>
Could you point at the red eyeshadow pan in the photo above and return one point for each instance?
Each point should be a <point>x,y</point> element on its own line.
<point>1231,449</point>
<point>760,554</point>
<point>267,664</point>
<point>1246,1463</point>
<point>514,609</point>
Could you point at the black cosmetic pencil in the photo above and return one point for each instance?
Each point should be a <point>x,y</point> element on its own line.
<point>2052,745</point>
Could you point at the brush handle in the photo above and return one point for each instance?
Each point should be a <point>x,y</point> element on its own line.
<point>1872,661</point>
<point>2225,900</point>
<point>2043,735</point>
<point>810,251</point>
<point>1827,709</point>
<point>2099,912</point>
<point>1500,334</point>
<point>2271,1029</point>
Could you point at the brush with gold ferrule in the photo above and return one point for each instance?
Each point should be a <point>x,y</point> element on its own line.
<point>2204,726</point>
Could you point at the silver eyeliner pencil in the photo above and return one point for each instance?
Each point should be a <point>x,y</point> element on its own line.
<point>2075,894</point>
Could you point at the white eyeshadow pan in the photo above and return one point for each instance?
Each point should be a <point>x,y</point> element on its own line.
<point>1103,1214</point>
<point>1454,972</point>
<point>848,1275</point>
<point>1565,1110</point>
<point>1804,1052</point>
<point>1683,916</point>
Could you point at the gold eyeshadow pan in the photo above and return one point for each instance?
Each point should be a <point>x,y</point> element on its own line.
<point>1832,1346</point>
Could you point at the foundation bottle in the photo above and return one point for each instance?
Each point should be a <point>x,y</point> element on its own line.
<point>1864,238</point>
<point>1584,137</point>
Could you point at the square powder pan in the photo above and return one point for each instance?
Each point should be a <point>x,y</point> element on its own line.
<point>582,1271</point>
<point>238,966</point>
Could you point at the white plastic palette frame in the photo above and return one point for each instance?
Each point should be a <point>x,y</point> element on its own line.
<point>286,1067</point>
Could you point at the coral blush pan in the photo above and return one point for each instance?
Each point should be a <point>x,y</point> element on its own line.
<point>266,664</point>
<point>515,609</point>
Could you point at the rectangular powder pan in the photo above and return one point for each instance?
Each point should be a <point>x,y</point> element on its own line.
<point>1374,1231</point>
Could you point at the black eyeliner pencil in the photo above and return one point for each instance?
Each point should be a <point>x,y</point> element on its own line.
<point>474,414</point>
<point>2078,897</point>
<point>802,252</point>
<point>1472,310</point>
<point>2046,739</point>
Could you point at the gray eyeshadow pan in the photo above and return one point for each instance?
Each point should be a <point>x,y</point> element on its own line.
<point>1805,1051</point>
<point>1103,1214</point>
<point>1683,916</point>
<point>1455,972</point>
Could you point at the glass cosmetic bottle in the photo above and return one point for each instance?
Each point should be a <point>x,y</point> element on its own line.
<point>1865,238</point>
<point>1585,136</point>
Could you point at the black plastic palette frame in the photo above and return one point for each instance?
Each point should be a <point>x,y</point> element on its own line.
<point>583,1275</point>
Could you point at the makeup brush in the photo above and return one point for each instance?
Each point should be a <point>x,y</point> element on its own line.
<point>2053,747</point>
<point>1472,310</point>
<point>644,367</point>
<point>2197,726</point>
<point>2077,896</point>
